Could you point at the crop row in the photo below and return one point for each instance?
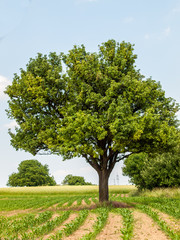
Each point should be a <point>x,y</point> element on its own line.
<point>163,225</point>
<point>12,228</point>
<point>167,205</point>
<point>24,202</point>
<point>34,226</point>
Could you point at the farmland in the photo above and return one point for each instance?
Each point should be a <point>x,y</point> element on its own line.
<point>73,212</point>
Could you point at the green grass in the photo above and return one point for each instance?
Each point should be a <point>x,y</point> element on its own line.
<point>159,192</point>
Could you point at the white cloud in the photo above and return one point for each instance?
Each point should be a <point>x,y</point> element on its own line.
<point>12,124</point>
<point>163,34</point>
<point>3,84</point>
<point>128,20</point>
<point>176,10</point>
<point>167,31</point>
<point>147,36</point>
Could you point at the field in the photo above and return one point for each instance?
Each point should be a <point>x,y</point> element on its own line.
<point>66,212</point>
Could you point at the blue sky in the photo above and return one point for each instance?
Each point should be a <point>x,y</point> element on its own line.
<point>31,26</point>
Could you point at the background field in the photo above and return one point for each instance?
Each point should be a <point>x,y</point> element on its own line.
<point>73,212</point>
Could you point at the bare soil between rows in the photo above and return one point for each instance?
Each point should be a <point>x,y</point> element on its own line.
<point>114,204</point>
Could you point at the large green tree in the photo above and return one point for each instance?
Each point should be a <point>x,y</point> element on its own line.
<point>100,108</point>
<point>31,173</point>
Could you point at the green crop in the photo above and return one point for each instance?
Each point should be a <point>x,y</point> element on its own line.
<point>163,225</point>
<point>72,226</point>
<point>98,225</point>
<point>128,220</point>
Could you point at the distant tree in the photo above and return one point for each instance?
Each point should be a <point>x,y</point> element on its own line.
<point>75,180</point>
<point>100,108</point>
<point>155,171</point>
<point>31,173</point>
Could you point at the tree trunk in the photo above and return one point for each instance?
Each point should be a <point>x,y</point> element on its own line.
<point>103,185</point>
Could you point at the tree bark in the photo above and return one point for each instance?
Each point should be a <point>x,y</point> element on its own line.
<point>103,185</point>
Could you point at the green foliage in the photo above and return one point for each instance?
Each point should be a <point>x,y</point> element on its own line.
<point>148,172</point>
<point>100,108</point>
<point>31,173</point>
<point>74,180</point>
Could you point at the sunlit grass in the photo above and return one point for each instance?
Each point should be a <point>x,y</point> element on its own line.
<point>160,192</point>
<point>64,190</point>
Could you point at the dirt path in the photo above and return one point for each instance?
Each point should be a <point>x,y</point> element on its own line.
<point>65,204</point>
<point>83,203</point>
<point>172,222</point>
<point>16,212</point>
<point>146,228</point>
<point>112,230</point>
<point>84,229</point>
<point>74,204</point>
<point>71,218</point>
<point>53,206</point>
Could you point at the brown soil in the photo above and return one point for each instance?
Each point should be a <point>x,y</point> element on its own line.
<point>112,230</point>
<point>146,229</point>
<point>90,199</point>
<point>84,229</point>
<point>74,204</point>
<point>65,204</point>
<point>53,206</point>
<point>54,216</point>
<point>114,204</point>
<point>172,222</point>
<point>83,203</point>
<point>71,218</point>
<point>16,212</point>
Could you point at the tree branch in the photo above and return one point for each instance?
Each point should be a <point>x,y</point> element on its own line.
<point>92,162</point>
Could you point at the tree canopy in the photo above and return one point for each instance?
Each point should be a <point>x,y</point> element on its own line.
<point>100,108</point>
<point>74,180</point>
<point>31,173</point>
<point>154,171</point>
